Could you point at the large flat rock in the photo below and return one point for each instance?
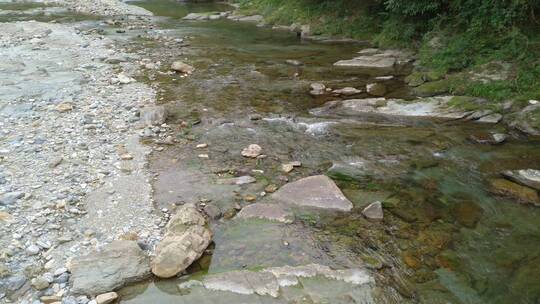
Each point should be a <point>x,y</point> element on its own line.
<point>370,64</point>
<point>377,62</point>
<point>273,282</point>
<point>435,107</point>
<point>314,191</point>
<point>272,212</point>
<point>526,177</point>
<point>117,264</point>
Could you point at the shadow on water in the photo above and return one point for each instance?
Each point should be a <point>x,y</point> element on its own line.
<point>445,238</point>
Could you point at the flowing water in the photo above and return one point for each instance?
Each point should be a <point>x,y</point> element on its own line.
<point>444,239</point>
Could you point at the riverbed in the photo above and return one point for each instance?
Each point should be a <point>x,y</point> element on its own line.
<point>444,238</point>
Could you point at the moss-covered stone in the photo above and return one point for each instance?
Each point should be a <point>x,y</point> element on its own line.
<point>415,79</point>
<point>466,103</point>
<point>434,75</point>
<point>467,213</point>
<point>433,88</point>
<point>507,188</point>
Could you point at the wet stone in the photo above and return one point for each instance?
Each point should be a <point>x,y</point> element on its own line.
<point>488,138</point>
<point>491,118</point>
<point>186,239</point>
<point>212,211</point>
<point>520,193</point>
<point>373,211</point>
<point>273,212</point>
<point>106,298</point>
<point>526,177</point>
<point>117,264</point>
<point>467,213</point>
<point>314,191</point>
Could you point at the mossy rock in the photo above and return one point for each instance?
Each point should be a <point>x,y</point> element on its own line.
<point>467,213</point>
<point>415,79</point>
<point>434,75</point>
<point>466,103</point>
<point>433,88</point>
<point>507,188</point>
<point>391,203</point>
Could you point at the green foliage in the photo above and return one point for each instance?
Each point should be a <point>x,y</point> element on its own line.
<point>450,35</point>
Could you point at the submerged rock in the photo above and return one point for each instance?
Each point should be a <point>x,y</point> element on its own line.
<point>467,213</point>
<point>526,177</point>
<point>273,281</point>
<point>186,239</point>
<point>244,282</point>
<point>117,264</point>
<point>314,191</point>
<point>436,107</point>
<point>521,193</point>
<point>273,212</point>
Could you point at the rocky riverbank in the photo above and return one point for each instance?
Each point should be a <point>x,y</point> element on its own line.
<point>72,169</point>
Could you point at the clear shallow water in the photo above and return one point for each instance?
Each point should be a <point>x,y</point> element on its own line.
<point>445,238</point>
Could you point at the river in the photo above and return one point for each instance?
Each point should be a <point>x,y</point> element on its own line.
<point>444,238</point>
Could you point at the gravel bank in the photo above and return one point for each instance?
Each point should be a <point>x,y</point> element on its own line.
<point>72,170</point>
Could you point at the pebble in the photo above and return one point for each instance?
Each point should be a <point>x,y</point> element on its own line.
<point>252,151</point>
<point>271,188</point>
<point>32,249</point>
<point>106,298</point>
<point>40,283</point>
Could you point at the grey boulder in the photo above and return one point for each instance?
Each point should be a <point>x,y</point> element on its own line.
<point>314,191</point>
<point>153,115</point>
<point>117,264</point>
